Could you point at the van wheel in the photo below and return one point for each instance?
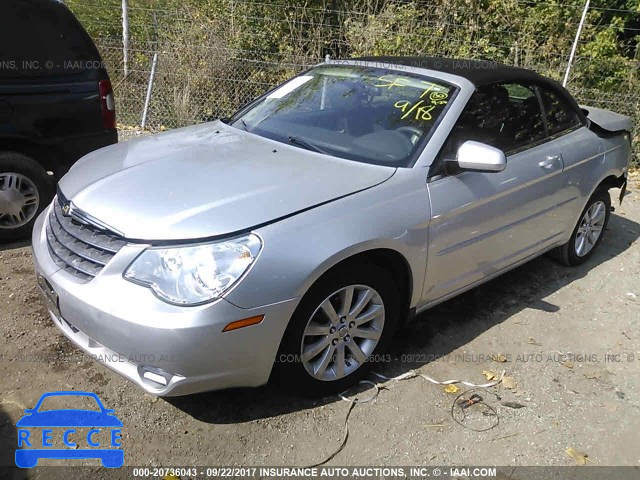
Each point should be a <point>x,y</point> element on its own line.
<point>340,328</point>
<point>588,232</point>
<point>25,189</point>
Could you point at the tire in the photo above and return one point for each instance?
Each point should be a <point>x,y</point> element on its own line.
<point>294,365</point>
<point>571,253</point>
<point>22,179</point>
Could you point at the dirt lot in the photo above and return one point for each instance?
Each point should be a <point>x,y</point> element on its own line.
<point>570,339</point>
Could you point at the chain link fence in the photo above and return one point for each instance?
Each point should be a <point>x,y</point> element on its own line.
<point>213,60</point>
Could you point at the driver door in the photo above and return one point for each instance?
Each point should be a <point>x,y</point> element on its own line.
<point>484,223</point>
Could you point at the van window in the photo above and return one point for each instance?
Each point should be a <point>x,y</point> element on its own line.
<point>45,40</point>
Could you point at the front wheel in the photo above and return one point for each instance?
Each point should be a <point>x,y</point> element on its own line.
<point>588,232</point>
<point>341,327</point>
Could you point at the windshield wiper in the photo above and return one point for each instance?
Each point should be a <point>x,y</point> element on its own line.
<point>304,144</point>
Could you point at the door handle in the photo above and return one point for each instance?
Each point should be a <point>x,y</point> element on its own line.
<point>550,161</point>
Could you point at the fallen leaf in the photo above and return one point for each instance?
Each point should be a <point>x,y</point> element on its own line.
<point>533,342</point>
<point>579,457</point>
<point>451,389</point>
<point>509,383</point>
<point>489,375</point>
<point>513,405</point>
<point>610,406</point>
<point>567,364</point>
<point>499,357</point>
<point>592,376</point>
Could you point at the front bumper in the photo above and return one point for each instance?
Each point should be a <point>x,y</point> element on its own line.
<point>165,349</point>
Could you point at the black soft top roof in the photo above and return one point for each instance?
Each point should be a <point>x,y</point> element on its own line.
<point>478,72</point>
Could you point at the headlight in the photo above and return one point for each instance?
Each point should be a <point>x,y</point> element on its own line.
<point>191,275</point>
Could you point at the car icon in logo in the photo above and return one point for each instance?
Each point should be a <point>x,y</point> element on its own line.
<point>34,445</point>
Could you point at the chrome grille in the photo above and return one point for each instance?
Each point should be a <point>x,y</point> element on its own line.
<point>77,247</point>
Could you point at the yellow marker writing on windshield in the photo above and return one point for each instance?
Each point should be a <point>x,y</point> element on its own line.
<point>438,98</point>
<point>389,82</point>
<point>431,85</point>
<point>422,112</point>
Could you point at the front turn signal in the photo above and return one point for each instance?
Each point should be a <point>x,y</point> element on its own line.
<point>245,322</point>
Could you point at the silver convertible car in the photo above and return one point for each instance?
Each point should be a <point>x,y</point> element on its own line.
<point>293,238</point>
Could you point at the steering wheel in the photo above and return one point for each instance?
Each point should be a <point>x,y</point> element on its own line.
<point>413,133</point>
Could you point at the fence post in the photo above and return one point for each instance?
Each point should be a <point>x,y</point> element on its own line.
<point>575,43</point>
<point>125,37</point>
<point>149,88</point>
<point>233,19</point>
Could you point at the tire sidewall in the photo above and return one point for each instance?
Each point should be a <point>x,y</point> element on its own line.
<point>292,375</point>
<point>19,163</point>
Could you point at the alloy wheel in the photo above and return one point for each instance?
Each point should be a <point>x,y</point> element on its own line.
<point>19,200</point>
<point>590,228</point>
<point>342,332</point>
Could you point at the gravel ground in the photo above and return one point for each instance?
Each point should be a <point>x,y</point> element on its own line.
<point>568,339</point>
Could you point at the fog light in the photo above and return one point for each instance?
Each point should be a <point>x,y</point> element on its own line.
<point>154,377</point>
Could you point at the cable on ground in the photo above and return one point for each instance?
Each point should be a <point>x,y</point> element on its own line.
<point>406,376</point>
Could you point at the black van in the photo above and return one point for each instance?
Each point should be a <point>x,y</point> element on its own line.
<point>56,105</point>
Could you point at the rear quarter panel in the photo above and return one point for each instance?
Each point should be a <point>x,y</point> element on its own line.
<point>586,172</point>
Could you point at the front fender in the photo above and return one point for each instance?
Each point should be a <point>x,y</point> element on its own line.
<point>300,249</point>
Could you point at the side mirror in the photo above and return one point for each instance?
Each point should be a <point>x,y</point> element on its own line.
<point>479,157</point>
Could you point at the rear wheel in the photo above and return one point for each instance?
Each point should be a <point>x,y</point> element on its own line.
<point>338,331</point>
<point>588,232</point>
<point>25,189</point>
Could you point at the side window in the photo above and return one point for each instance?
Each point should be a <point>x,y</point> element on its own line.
<point>506,116</point>
<point>527,125</point>
<point>559,114</point>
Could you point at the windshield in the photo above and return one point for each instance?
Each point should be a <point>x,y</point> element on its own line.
<point>371,115</point>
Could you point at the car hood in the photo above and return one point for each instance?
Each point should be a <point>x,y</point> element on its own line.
<point>207,180</point>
